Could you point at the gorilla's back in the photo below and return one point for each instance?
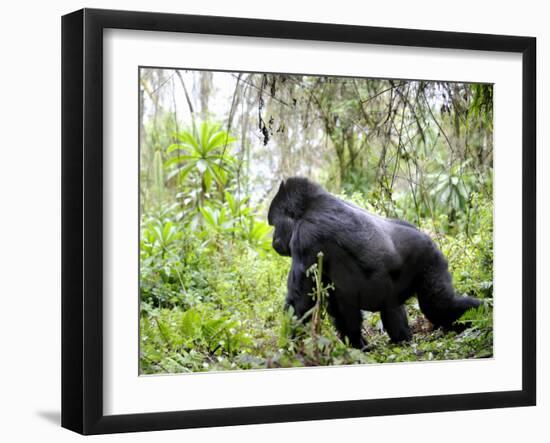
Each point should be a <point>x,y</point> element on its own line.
<point>364,252</point>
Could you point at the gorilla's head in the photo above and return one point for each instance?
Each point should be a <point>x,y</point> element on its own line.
<point>287,207</point>
<point>280,219</point>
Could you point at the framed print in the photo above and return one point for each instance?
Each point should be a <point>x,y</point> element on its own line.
<point>271,221</point>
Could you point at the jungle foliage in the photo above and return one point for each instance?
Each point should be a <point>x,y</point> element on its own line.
<point>214,147</point>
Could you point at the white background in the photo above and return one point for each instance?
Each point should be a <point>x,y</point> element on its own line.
<point>126,393</point>
<point>30,222</point>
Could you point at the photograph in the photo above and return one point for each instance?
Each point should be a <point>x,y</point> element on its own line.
<point>292,220</point>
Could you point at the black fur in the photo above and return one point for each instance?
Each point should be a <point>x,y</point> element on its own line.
<point>374,263</point>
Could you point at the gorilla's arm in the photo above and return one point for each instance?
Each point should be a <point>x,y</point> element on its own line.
<point>299,288</point>
<point>304,254</point>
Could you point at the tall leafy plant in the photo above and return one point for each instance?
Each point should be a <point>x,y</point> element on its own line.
<point>203,153</point>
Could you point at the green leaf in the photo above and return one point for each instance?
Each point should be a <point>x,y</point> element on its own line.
<point>165,332</point>
<point>181,172</point>
<point>179,159</point>
<point>231,202</point>
<point>203,138</point>
<point>188,139</point>
<point>190,324</point>
<point>178,147</point>
<point>167,231</point>
<point>220,139</point>
<point>207,177</point>
<point>208,215</point>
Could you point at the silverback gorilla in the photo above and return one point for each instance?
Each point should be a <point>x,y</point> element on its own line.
<point>374,263</point>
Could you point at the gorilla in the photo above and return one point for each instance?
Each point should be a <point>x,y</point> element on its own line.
<point>373,263</point>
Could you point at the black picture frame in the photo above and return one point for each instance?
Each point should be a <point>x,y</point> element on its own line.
<point>82,218</point>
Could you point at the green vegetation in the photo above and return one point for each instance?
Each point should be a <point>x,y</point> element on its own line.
<point>212,289</point>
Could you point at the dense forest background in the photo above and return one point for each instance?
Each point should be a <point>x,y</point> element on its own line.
<point>214,147</point>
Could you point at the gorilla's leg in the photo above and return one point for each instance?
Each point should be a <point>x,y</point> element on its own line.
<point>347,320</point>
<point>396,324</point>
<point>437,298</point>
